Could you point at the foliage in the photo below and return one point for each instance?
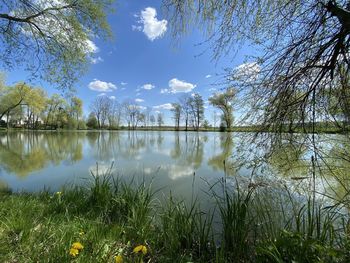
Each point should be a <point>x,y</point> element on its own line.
<point>51,39</point>
<point>224,102</point>
<point>92,121</point>
<point>30,107</point>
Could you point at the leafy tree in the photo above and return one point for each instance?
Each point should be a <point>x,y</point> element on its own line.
<point>76,109</point>
<point>54,106</point>
<point>224,102</point>
<point>11,97</point>
<point>92,121</point>
<point>51,39</point>
<point>35,102</point>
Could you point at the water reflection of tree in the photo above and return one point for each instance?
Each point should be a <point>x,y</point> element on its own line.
<point>224,160</point>
<point>23,153</point>
<point>289,159</point>
<point>336,167</point>
<point>189,151</point>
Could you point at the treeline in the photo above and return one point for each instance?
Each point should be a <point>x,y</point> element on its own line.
<point>30,107</point>
<point>187,113</point>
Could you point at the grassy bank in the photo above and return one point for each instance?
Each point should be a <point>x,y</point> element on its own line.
<point>112,221</point>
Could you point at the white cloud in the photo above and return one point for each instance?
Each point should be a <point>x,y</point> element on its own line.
<point>166,106</point>
<point>212,89</point>
<point>90,47</point>
<point>248,71</point>
<point>138,94</point>
<point>208,76</point>
<point>148,86</point>
<point>164,91</point>
<point>96,60</point>
<point>177,171</point>
<point>112,97</point>
<point>177,86</point>
<point>136,28</point>
<point>123,83</point>
<point>152,27</point>
<point>101,86</point>
<point>101,94</point>
<point>139,100</point>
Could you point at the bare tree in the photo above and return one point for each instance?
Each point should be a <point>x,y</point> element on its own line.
<point>101,107</point>
<point>184,102</point>
<point>152,119</point>
<point>115,114</point>
<point>177,114</point>
<point>196,105</point>
<point>131,114</point>
<point>160,120</point>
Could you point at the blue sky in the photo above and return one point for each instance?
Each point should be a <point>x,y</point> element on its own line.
<point>143,55</point>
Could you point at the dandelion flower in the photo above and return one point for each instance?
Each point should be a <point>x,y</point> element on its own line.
<point>118,259</point>
<point>140,248</point>
<point>73,252</point>
<point>77,245</point>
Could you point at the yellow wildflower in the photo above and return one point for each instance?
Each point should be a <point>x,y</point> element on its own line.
<point>81,233</point>
<point>140,248</point>
<point>118,259</point>
<point>73,252</point>
<point>58,193</point>
<point>78,246</point>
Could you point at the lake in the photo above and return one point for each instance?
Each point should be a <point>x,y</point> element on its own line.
<point>183,163</point>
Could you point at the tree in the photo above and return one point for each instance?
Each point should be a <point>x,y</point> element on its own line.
<point>152,119</point>
<point>51,39</point>
<point>177,114</point>
<point>76,110</point>
<point>196,104</point>
<point>12,97</point>
<point>54,106</point>
<point>308,45</point>
<point>160,120</point>
<point>92,121</point>
<point>101,107</point>
<point>131,114</point>
<point>184,102</point>
<point>36,102</point>
<point>115,114</point>
<point>224,102</point>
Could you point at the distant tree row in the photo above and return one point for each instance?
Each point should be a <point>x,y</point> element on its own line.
<point>22,105</point>
<point>190,110</point>
<point>109,113</point>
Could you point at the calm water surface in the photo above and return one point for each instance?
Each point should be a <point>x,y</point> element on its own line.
<point>32,161</point>
<point>177,162</point>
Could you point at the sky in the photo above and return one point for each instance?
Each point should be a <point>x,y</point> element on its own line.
<point>143,64</point>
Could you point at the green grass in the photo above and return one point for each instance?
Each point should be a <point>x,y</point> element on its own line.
<point>110,217</point>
